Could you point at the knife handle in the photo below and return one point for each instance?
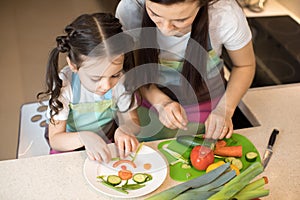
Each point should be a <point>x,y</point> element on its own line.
<point>273,137</point>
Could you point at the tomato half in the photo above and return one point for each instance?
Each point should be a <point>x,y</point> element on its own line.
<point>201,157</point>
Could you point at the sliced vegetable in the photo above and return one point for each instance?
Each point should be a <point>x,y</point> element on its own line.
<point>125,174</point>
<point>137,151</point>
<point>190,141</point>
<point>234,151</point>
<point>221,143</point>
<point>132,186</point>
<point>229,159</point>
<point>147,166</point>
<point>185,166</point>
<point>119,162</point>
<point>214,166</point>
<point>119,189</point>
<point>201,157</point>
<point>172,192</point>
<point>238,163</point>
<point>140,177</point>
<point>114,180</point>
<point>251,156</point>
<point>235,168</point>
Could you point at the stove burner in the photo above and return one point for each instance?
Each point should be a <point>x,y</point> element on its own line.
<point>280,68</point>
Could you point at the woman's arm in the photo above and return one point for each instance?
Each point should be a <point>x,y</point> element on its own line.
<point>171,113</point>
<point>219,123</point>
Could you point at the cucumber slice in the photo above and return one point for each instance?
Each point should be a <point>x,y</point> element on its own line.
<point>114,180</point>
<point>238,163</point>
<point>251,156</point>
<point>229,159</point>
<point>140,178</point>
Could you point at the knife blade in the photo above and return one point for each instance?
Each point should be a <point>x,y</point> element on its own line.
<point>269,150</point>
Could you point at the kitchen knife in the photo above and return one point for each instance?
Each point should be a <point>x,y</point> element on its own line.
<point>269,151</point>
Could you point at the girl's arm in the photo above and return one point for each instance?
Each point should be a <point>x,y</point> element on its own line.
<point>171,113</point>
<point>219,123</point>
<point>125,135</point>
<point>60,140</point>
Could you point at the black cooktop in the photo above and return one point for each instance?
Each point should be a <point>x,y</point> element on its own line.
<point>276,42</point>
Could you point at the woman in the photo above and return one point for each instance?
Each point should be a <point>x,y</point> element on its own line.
<point>212,24</point>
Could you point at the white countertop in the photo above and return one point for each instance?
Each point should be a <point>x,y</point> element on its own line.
<point>61,176</point>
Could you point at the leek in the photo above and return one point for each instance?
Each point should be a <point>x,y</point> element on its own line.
<point>239,182</point>
<point>173,192</point>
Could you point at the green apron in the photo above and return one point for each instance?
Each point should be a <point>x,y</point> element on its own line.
<point>97,117</point>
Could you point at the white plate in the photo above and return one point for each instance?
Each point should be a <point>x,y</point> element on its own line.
<point>158,171</point>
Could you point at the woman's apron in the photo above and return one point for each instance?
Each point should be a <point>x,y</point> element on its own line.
<point>171,70</point>
<point>97,117</point>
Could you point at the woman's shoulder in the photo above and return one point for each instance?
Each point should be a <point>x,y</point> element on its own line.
<point>224,12</point>
<point>130,13</point>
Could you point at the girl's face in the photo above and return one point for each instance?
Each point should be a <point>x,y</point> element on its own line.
<point>100,75</point>
<point>175,19</point>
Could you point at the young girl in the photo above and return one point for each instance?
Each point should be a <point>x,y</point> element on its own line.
<point>87,94</point>
<point>181,24</point>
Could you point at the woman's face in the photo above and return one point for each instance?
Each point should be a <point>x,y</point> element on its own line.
<point>100,75</point>
<point>175,19</point>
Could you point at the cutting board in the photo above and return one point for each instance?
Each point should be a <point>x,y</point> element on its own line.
<point>178,173</point>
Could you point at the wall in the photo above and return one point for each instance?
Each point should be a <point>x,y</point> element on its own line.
<point>292,5</point>
<point>28,32</point>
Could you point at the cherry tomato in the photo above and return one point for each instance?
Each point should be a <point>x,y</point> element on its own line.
<point>201,157</point>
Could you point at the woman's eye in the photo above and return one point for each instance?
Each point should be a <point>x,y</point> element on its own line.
<point>116,75</point>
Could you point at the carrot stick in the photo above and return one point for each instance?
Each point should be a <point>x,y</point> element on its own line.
<point>221,143</point>
<point>234,151</point>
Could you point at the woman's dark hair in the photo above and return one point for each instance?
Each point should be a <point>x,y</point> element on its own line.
<point>199,33</point>
<point>85,36</point>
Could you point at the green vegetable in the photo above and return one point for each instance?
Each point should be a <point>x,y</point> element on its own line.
<point>229,159</point>
<point>190,141</point>
<point>141,177</point>
<point>137,151</point>
<point>119,189</point>
<point>114,180</point>
<point>185,166</point>
<point>205,191</point>
<point>132,186</point>
<point>251,156</point>
<point>238,163</point>
<point>239,182</point>
<point>173,192</point>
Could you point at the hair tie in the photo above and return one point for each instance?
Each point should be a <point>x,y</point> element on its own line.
<point>63,44</point>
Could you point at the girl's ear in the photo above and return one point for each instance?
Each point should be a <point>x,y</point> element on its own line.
<point>72,66</point>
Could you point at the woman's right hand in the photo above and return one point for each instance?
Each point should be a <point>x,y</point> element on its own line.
<point>172,115</point>
<point>96,147</point>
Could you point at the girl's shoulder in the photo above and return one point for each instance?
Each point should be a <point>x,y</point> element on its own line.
<point>65,75</point>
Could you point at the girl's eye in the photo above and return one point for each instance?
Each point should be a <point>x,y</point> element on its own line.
<point>118,75</point>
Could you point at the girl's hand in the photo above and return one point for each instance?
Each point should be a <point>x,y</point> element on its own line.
<point>172,115</point>
<point>218,125</point>
<point>125,142</point>
<point>96,147</point>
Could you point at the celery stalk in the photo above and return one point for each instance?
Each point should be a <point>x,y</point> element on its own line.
<point>239,182</point>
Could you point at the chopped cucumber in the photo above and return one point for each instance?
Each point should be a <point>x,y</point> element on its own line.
<point>229,159</point>
<point>114,180</point>
<point>185,166</point>
<point>238,163</point>
<point>251,156</point>
<point>141,177</point>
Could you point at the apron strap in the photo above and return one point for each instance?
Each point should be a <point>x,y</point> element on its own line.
<point>76,88</point>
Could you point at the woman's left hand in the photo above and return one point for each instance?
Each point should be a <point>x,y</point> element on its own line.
<point>125,142</point>
<point>218,125</point>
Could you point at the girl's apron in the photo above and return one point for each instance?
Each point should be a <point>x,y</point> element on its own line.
<point>169,74</point>
<point>97,117</point>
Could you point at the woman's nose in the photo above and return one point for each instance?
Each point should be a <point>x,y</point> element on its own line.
<point>167,26</point>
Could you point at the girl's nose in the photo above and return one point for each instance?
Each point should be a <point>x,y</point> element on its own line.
<point>167,26</point>
<point>105,84</point>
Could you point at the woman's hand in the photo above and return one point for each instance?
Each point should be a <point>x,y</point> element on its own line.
<point>218,125</point>
<point>125,142</point>
<point>96,147</point>
<point>172,115</point>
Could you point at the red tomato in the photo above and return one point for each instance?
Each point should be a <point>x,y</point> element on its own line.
<point>125,174</point>
<point>201,157</point>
